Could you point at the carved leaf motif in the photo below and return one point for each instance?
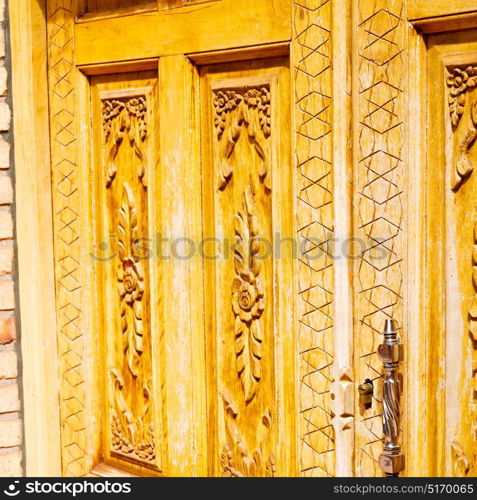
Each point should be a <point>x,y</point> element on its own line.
<point>235,110</point>
<point>130,434</point>
<point>460,81</point>
<point>235,459</point>
<point>125,119</point>
<point>460,463</point>
<point>248,296</point>
<point>130,280</point>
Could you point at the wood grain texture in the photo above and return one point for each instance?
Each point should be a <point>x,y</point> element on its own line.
<point>379,221</point>
<point>181,299</point>
<point>204,27</point>
<point>420,9</point>
<point>102,5</point>
<point>171,4</point>
<point>313,81</point>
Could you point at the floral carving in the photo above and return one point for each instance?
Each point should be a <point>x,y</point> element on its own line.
<point>460,81</point>
<point>235,459</point>
<point>460,463</point>
<point>234,110</point>
<point>124,118</point>
<point>130,278</point>
<point>130,435</point>
<point>248,296</point>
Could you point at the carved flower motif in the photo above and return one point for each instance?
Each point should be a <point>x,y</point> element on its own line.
<point>224,102</point>
<point>137,107</point>
<point>260,99</point>
<point>459,80</point>
<point>247,296</point>
<point>131,281</point>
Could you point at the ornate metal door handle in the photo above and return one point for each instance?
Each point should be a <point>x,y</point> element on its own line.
<point>391,353</point>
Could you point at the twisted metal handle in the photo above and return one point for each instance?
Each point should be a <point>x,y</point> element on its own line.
<point>390,353</point>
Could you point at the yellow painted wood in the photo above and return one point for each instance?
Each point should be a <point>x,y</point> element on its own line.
<point>452,231</point>
<point>419,9</point>
<point>379,197</point>
<point>359,143</point>
<point>211,26</point>
<point>134,318</point>
<point>247,179</point>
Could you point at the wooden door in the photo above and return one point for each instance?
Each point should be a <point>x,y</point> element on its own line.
<point>212,163</point>
<point>171,154</point>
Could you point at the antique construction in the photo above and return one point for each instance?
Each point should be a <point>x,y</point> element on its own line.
<point>219,203</point>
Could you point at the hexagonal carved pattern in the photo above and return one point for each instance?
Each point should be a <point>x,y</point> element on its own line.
<point>67,235</point>
<point>379,200</point>
<point>313,98</point>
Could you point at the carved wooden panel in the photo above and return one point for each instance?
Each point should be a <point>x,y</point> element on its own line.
<point>313,107</point>
<point>380,184</point>
<point>245,213</point>
<point>124,108</point>
<point>461,275</point>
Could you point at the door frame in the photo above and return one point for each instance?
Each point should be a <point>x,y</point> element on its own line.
<point>34,215</point>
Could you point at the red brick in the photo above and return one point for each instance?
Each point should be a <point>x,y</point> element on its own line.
<point>9,400</point>
<point>6,225</point>
<point>6,260</point>
<point>7,297</point>
<point>4,154</point>
<point>11,464</point>
<point>10,433</point>
<point>7,330</point>
<point>5,114</point>
<point>6,190</point>
<point>8,365</point>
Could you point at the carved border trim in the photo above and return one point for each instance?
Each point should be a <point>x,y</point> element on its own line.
<point>380,180</point>
<point>68,242</point>
<point>313,76</point>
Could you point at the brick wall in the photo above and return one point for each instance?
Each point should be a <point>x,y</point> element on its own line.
<point>10,420</point>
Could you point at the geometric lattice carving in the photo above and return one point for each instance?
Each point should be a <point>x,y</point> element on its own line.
<point>67,242</point>
<point>380,185</point>
<point>313,111</point>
